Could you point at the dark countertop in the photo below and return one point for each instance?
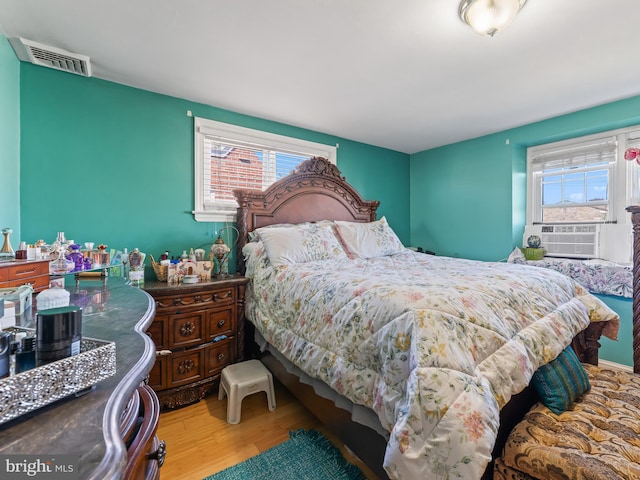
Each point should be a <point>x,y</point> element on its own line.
<point>89,426</point>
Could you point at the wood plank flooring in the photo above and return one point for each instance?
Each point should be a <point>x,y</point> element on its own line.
<point>200,442</point>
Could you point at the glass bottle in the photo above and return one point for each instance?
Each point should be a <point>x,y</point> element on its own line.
<point>26,357</point>
<point>76,257</point>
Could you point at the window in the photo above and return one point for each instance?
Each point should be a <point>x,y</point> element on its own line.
<point>583,180</point>
<point>229,157</point>
<point>573,183</point>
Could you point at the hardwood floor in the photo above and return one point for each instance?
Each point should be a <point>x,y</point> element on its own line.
<point>200,442</point>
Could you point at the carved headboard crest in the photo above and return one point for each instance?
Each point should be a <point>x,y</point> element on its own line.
<point>319,166</point>
<point>315,190</point>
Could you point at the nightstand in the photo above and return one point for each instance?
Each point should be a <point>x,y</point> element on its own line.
<point>198,330</point>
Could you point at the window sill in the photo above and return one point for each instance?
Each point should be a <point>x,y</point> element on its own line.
<point>598,276</point>
<point>214,216</point>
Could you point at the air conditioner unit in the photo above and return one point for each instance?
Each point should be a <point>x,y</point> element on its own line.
<point>571,241</point>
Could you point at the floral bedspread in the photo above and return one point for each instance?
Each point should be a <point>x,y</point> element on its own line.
<point>434,345</point>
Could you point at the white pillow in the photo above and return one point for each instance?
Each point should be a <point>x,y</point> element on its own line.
<point>300,244</point>
<point>369,240</point>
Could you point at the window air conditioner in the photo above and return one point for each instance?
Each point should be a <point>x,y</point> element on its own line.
<point>571,241</point>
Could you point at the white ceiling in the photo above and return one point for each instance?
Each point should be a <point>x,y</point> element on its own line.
<point>403,74</point>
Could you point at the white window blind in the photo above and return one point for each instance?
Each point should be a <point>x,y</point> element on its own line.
<point>577,155</point>
<point>229,157</point>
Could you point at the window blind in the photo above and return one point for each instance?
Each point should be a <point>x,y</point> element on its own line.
<point>587,153</point>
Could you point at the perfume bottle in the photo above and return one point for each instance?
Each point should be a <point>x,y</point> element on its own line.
<point>26,356</point>
<point>76,257</point>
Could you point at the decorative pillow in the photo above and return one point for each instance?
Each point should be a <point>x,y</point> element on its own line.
<point>254,237</point>
<point>368,240</point>
<point>300,244</point>
<point>560,382</point>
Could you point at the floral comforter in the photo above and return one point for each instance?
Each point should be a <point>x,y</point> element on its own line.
<point>434,345</point>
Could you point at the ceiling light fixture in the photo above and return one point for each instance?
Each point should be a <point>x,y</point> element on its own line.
<point>488,17</point>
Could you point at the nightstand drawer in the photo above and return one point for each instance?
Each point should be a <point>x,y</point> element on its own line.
<point>224,296</point>
<point>186,330</point>
<point>185,367</point>
<point>220,322</point>
<point>218,356</point>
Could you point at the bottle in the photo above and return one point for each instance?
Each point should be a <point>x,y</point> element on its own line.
<point>5,340</point>
<point>21,252</point>
<point>26,357</point>
<point>14,347</point>
<point>76,257</point>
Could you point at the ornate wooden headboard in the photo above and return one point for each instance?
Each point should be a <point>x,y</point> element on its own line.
<point>315,191</point>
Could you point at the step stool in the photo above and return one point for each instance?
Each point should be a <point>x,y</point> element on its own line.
<point>241,379</point>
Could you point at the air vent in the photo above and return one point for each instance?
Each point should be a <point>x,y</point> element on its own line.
<point>46,56</point>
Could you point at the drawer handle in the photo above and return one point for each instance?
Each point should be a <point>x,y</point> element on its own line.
<point>25,272</point>
<point>186,366</point>
<point>187,329</point>
<point>221,356</point>
<point>221,323</point>
<point>217,297</point>
<point>159,454</point>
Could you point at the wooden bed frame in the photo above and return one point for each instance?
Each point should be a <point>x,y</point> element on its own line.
<point>317,191</point>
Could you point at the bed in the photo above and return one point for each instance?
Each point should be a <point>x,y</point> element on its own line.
<point>427,358</point>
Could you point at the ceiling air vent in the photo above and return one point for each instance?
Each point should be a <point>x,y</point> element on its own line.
<point>46,56</point>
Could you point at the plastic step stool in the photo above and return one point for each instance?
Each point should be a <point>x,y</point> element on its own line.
<point>241,379</point>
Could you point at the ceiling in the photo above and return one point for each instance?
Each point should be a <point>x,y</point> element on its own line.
<point>406,75</point>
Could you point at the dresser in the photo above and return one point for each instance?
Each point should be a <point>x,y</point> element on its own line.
<point>15,273</point>
<point>198,330</point>
<point>109,431</point>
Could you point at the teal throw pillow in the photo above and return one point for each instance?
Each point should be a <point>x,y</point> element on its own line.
<point>560,382</point>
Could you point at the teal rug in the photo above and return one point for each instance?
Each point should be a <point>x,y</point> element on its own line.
<point>308,455</point>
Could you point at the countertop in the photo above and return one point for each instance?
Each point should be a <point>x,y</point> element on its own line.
<point>89,426</point>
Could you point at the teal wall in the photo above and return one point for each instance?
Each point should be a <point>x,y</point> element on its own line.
<point>113,164</point>
<point>9,141</point>
<point>620,351</point>
<point>468,199</point>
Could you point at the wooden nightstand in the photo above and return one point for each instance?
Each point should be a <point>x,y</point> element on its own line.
<point>198,330</point>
